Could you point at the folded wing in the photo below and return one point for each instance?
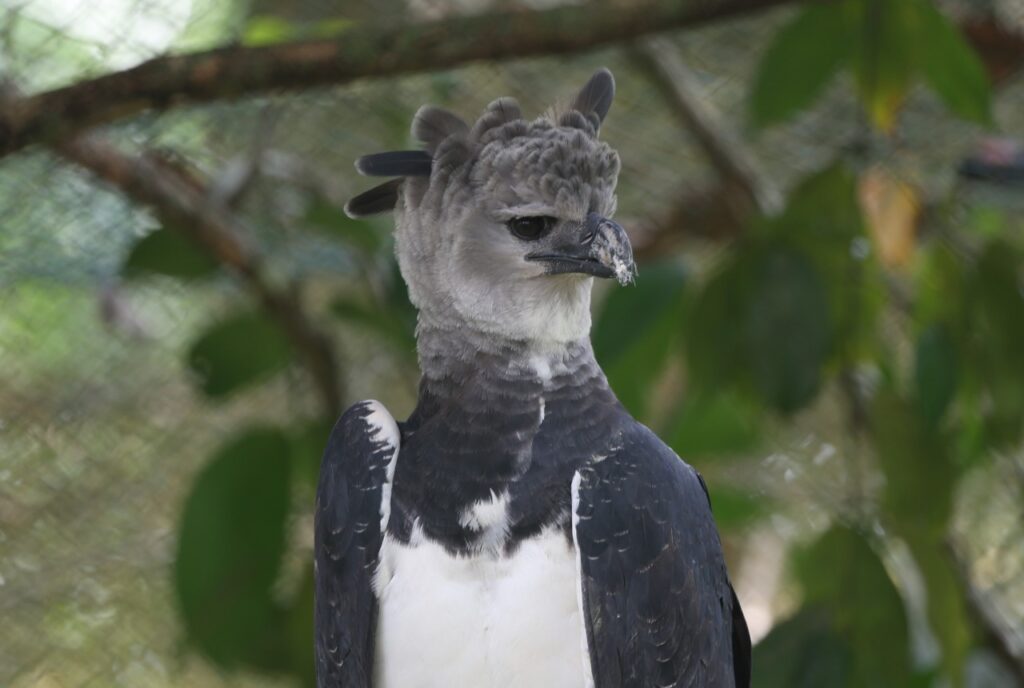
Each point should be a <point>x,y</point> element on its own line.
<point>352,506</point>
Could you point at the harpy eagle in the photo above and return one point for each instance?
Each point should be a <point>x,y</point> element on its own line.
<point>520,529</point>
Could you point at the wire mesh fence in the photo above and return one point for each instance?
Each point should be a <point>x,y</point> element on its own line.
<point>101,430</point>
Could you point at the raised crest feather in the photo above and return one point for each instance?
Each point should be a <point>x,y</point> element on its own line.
<point>407,163</point>
<point>432,125</point>
<point>596,95</point>
<point>379,199</point>
<point>449,141</point>
<point>498,113</point>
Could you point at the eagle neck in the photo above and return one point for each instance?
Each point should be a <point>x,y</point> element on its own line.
<point>455,354</point>
<point>498,420</point>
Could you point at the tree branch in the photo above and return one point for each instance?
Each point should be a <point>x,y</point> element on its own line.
<point>998,635</point>
<point>719,213</point>
<point>1000,48</point>
<point>181,200</point>
<point>364,52</point>
<point>747,189</point>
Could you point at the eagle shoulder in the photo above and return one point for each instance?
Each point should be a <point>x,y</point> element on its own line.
<point>353,504</point>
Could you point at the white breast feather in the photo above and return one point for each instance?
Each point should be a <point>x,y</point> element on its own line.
<point>588,672</point>
<point>384,429</point>
<point>481,621</point>
<point>488,518</point>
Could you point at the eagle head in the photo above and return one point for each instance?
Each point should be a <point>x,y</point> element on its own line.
<point>501,226</point>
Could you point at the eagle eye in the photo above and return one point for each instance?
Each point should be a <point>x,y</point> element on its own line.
<point>532,227</point>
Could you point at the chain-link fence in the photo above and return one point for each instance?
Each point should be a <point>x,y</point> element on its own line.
<point>101,428</point>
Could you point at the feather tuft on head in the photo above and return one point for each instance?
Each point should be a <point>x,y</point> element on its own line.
<point>596,95</point>
<point>499,113</point>
<point>379,199</point>
<point>431,125</point>
<point>449,142</point>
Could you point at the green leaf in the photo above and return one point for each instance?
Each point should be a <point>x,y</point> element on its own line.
<point>330,28</point>
<point>823,215</point>
<point>238,352</point>
<point>988,221</point>
<point>823,218</point>
<point>307,448</point>
<point>803,57</point>
<point>804,651</point>
<point>637,329</point>
<point>935,368</point>
<point>715,354</point>
<point>723,424</point>
<point>362,235</point>
<point>883,61</point>
<point>267,30</point>
<point>948,615</point>
<point>655,293</point>
<point>396,330</point>
<point>168,252</point>
<point>842,575</point>
<point>997,294</point>
<point>886,43</point>
<point>919,474</point>
<point>949,65</point>
<point>997,340</point>
<point>941,286</point>
<point>762,326</point>
<point>735,509</point>
<point>786,327</point>
<point>300,632</point>
<point>230,545</point>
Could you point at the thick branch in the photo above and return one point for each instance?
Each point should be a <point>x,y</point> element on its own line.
<point>361,53</point>
<point>183,203</point>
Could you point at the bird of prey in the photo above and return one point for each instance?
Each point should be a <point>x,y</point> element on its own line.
<point>520,528</point>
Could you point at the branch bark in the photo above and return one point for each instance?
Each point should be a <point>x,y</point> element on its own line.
<point>181,200</point>
<point>365,52</point>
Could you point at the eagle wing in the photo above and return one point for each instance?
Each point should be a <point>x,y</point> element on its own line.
<point>656,598</point>
<point>352,507</point>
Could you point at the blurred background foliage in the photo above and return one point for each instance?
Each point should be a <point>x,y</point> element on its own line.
<point>826,200</point>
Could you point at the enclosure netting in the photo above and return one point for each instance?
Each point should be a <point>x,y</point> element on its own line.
<point>101,431</point>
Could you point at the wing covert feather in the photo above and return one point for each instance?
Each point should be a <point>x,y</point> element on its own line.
<point>657,601</point>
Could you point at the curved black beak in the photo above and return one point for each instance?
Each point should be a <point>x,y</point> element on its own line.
<point>602,249</point>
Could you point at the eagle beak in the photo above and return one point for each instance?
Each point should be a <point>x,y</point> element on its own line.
<point>602,250</point>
